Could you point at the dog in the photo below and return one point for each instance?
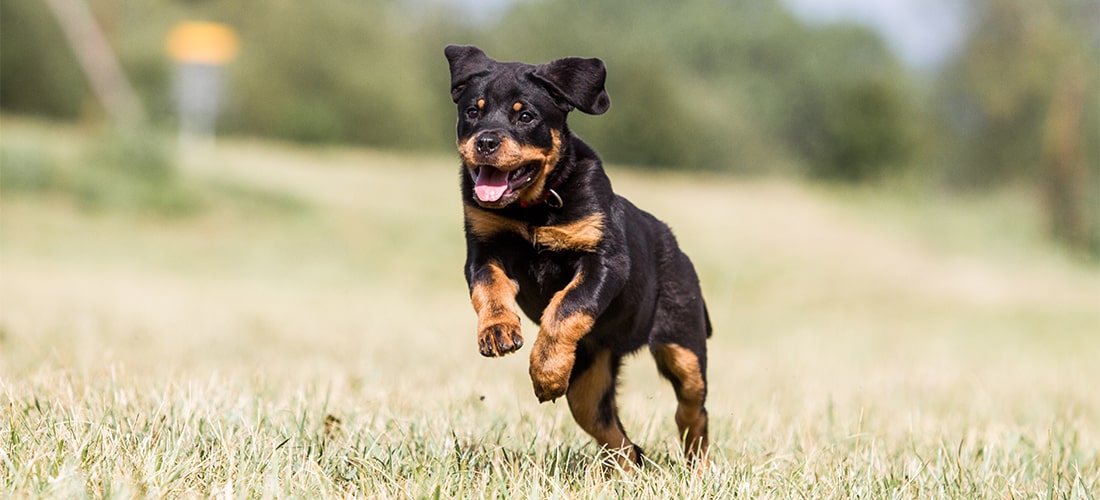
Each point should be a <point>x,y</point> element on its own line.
<point>544,230</point>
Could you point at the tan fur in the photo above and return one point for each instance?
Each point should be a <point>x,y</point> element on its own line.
<point>493,301</point>
<point>555,348</point>
<point>691,419</point>
<point>585,394</point>
<point>485,224</point>
<point>583,235</point>
<point>517,106</point>
<point>512,155</point>
<point>533,192</point>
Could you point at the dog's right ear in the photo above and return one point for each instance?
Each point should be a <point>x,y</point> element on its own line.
<point>466,62</point>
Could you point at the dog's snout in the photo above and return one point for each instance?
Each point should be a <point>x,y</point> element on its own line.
<point>487,143</point>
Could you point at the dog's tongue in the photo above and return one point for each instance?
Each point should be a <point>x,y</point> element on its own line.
<point>491,184</point>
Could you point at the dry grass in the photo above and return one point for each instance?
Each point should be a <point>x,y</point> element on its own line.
<point>865,346</point>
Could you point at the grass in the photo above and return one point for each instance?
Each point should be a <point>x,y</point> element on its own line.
<point>306,332</point>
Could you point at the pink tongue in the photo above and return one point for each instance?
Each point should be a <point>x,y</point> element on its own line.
<point>490,184</point>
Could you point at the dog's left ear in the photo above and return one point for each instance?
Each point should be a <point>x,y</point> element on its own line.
<point>466,62</point>
<point>579,81</point>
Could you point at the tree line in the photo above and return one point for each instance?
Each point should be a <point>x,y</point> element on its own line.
<point>737,85</point>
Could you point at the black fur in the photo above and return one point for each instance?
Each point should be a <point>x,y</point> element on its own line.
<point>637,284</point>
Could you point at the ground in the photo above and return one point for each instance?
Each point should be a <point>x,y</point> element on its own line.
<point>308,332</point>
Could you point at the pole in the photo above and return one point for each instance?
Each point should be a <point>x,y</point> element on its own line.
<point>97,59</point>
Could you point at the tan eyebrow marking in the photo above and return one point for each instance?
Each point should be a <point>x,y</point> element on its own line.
<point>480,103</point>
<point>517,106</point>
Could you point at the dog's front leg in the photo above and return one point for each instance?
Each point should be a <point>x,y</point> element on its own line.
<point>566,320</point>
<point>492,293</point>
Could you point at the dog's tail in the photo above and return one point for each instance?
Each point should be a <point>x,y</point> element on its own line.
<point>706,316</point>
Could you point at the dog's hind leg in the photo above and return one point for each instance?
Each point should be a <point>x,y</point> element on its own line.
<point>685,370</point>
<point>678,342</point>
<point>591,399</point>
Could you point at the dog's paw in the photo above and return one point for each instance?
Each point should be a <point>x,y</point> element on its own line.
<point>549,388</point>
<point>499,339</point>
<point>550,373</point>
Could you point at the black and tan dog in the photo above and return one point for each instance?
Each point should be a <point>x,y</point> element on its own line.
<point>544,229</point>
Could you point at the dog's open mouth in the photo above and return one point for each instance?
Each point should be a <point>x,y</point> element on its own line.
<point>495,186</point>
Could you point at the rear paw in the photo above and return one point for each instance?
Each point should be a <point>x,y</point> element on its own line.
<point>499,339</point>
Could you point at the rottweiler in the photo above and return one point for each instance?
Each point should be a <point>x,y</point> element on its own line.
<point>544,230</point>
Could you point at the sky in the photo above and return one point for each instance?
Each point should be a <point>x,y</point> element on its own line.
<point>922,32</point>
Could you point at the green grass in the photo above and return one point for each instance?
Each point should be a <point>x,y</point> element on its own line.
<point>868,343</point>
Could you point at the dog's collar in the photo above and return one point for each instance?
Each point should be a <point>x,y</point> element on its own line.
<point>550,197</point>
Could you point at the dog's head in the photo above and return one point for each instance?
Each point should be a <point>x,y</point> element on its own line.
<point>511,119</point>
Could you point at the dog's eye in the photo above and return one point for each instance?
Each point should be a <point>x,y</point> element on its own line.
<point>472,113</point>
<point>526,117</point>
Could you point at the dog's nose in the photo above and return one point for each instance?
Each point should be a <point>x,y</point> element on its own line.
<point>487,143</point>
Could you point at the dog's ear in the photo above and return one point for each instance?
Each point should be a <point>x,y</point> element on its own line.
<point>580,82</point>
<point>466,62</point>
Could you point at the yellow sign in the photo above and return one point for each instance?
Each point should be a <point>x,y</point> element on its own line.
<point>202,42</point>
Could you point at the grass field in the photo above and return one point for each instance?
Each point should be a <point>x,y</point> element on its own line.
<point>302,328</point>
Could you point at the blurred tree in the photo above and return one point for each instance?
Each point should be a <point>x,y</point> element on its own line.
<point>38,72</point>
<point>852,111</point>
<point>1022,100</point>
<point>735,85</point>
<point>1069,189</point>
<point>340,71</point>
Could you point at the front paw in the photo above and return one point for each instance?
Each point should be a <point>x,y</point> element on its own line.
<point>499,339</point>
<point>550,373</point>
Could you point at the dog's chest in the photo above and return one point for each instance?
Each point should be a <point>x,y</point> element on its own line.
<point>581,235</point>
<point>540,275</point>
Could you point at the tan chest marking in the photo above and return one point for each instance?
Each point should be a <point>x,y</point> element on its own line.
<point>583,235</point>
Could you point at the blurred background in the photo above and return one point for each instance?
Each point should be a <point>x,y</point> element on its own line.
<point>962,96</point>
<point>892,206</point>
